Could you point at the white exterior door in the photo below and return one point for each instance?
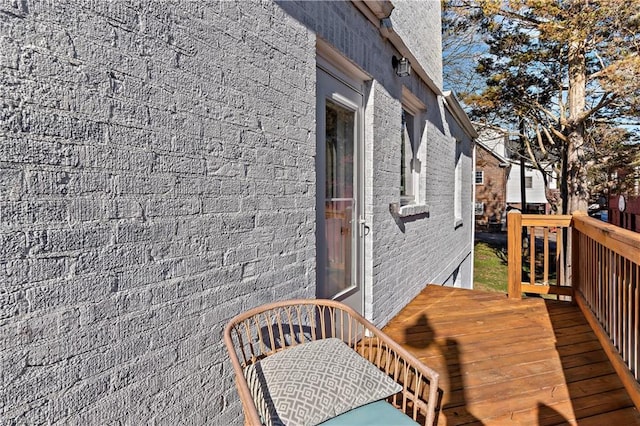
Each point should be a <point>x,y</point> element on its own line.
<point>339,190</point>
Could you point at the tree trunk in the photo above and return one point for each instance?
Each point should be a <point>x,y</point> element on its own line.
<point>577,197</point>
<point>578,193</point>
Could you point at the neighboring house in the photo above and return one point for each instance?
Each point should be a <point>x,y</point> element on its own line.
<point>624,211</point>
<point>498,180</point>
<point>625,180</point>
<point>491,174</point>
<point>624,205</point>
<point>535,190</point>
<point>166,165</point>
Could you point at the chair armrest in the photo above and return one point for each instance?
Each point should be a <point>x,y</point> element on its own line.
<point>419,382</point>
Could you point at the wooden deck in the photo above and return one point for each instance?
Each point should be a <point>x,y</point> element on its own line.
<point>501,361</point>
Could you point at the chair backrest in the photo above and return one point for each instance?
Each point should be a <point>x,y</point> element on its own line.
<point>265,330</point>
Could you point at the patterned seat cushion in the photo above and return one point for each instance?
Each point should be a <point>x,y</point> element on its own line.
<point>310,383</point>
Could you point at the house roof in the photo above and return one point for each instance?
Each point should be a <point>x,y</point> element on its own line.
<point>500,158</point>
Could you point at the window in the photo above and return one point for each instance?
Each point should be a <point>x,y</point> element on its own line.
<point>407,156</point>
<point>479,209</point>
<point>457,201</point>
<point>528,181</point>
<point>412,153</point>
<point>479,177</point>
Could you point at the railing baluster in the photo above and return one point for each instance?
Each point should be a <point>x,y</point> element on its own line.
<point>616,302</point>
<point>532,255</point>
<point>601,285</point>
<point>594,274</point>
<point>608,288</point>
<point>626,317</point>
<point>636,328</point>
<point>545,278</point>
<point>559,258</point>
<point>620,311</point>
<point>611,296</point>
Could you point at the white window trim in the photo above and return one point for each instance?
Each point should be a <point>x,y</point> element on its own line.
<point>417,109</point>
<point>475,178</point>
<point>457,184</point>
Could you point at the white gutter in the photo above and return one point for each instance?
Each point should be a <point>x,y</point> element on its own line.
<point>452,104</point>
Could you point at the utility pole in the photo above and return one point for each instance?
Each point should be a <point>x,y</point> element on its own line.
<point>523,189</point>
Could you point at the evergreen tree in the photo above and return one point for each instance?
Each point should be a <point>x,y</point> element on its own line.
<point>554,70</point>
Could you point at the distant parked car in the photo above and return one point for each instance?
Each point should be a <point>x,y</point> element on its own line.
<point>598,212</point>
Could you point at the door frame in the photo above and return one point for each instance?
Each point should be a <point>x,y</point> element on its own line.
<point>354,296</point>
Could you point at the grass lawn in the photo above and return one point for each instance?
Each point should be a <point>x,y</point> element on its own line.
<point>490,268</point>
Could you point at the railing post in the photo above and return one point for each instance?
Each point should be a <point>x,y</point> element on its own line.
<point>514,254</point>
<point>575,256</point>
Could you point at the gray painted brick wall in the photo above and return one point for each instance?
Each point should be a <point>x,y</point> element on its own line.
<point>410,253</point>
<point>418,23</point>
<point>152,185</point>
<point>157,176</point>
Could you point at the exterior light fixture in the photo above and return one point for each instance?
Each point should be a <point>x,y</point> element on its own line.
<point>402,66</point>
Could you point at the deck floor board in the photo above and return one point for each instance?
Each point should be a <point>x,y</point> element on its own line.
<point>520,362</point>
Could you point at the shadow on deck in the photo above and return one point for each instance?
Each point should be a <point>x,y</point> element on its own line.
<point>501,361</point>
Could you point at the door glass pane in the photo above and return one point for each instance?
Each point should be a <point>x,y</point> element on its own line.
<point>339,201</point>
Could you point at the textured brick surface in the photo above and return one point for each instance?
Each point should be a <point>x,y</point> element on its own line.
<point>418,23</point>
<point>152,183</point>
<point>157,176</point>
<point>409,253</point>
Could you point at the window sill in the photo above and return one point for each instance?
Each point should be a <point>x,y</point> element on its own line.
<point>409,210</point>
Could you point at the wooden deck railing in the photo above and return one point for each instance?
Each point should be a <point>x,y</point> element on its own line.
<point>603,278</point>
<point>541,268</point>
